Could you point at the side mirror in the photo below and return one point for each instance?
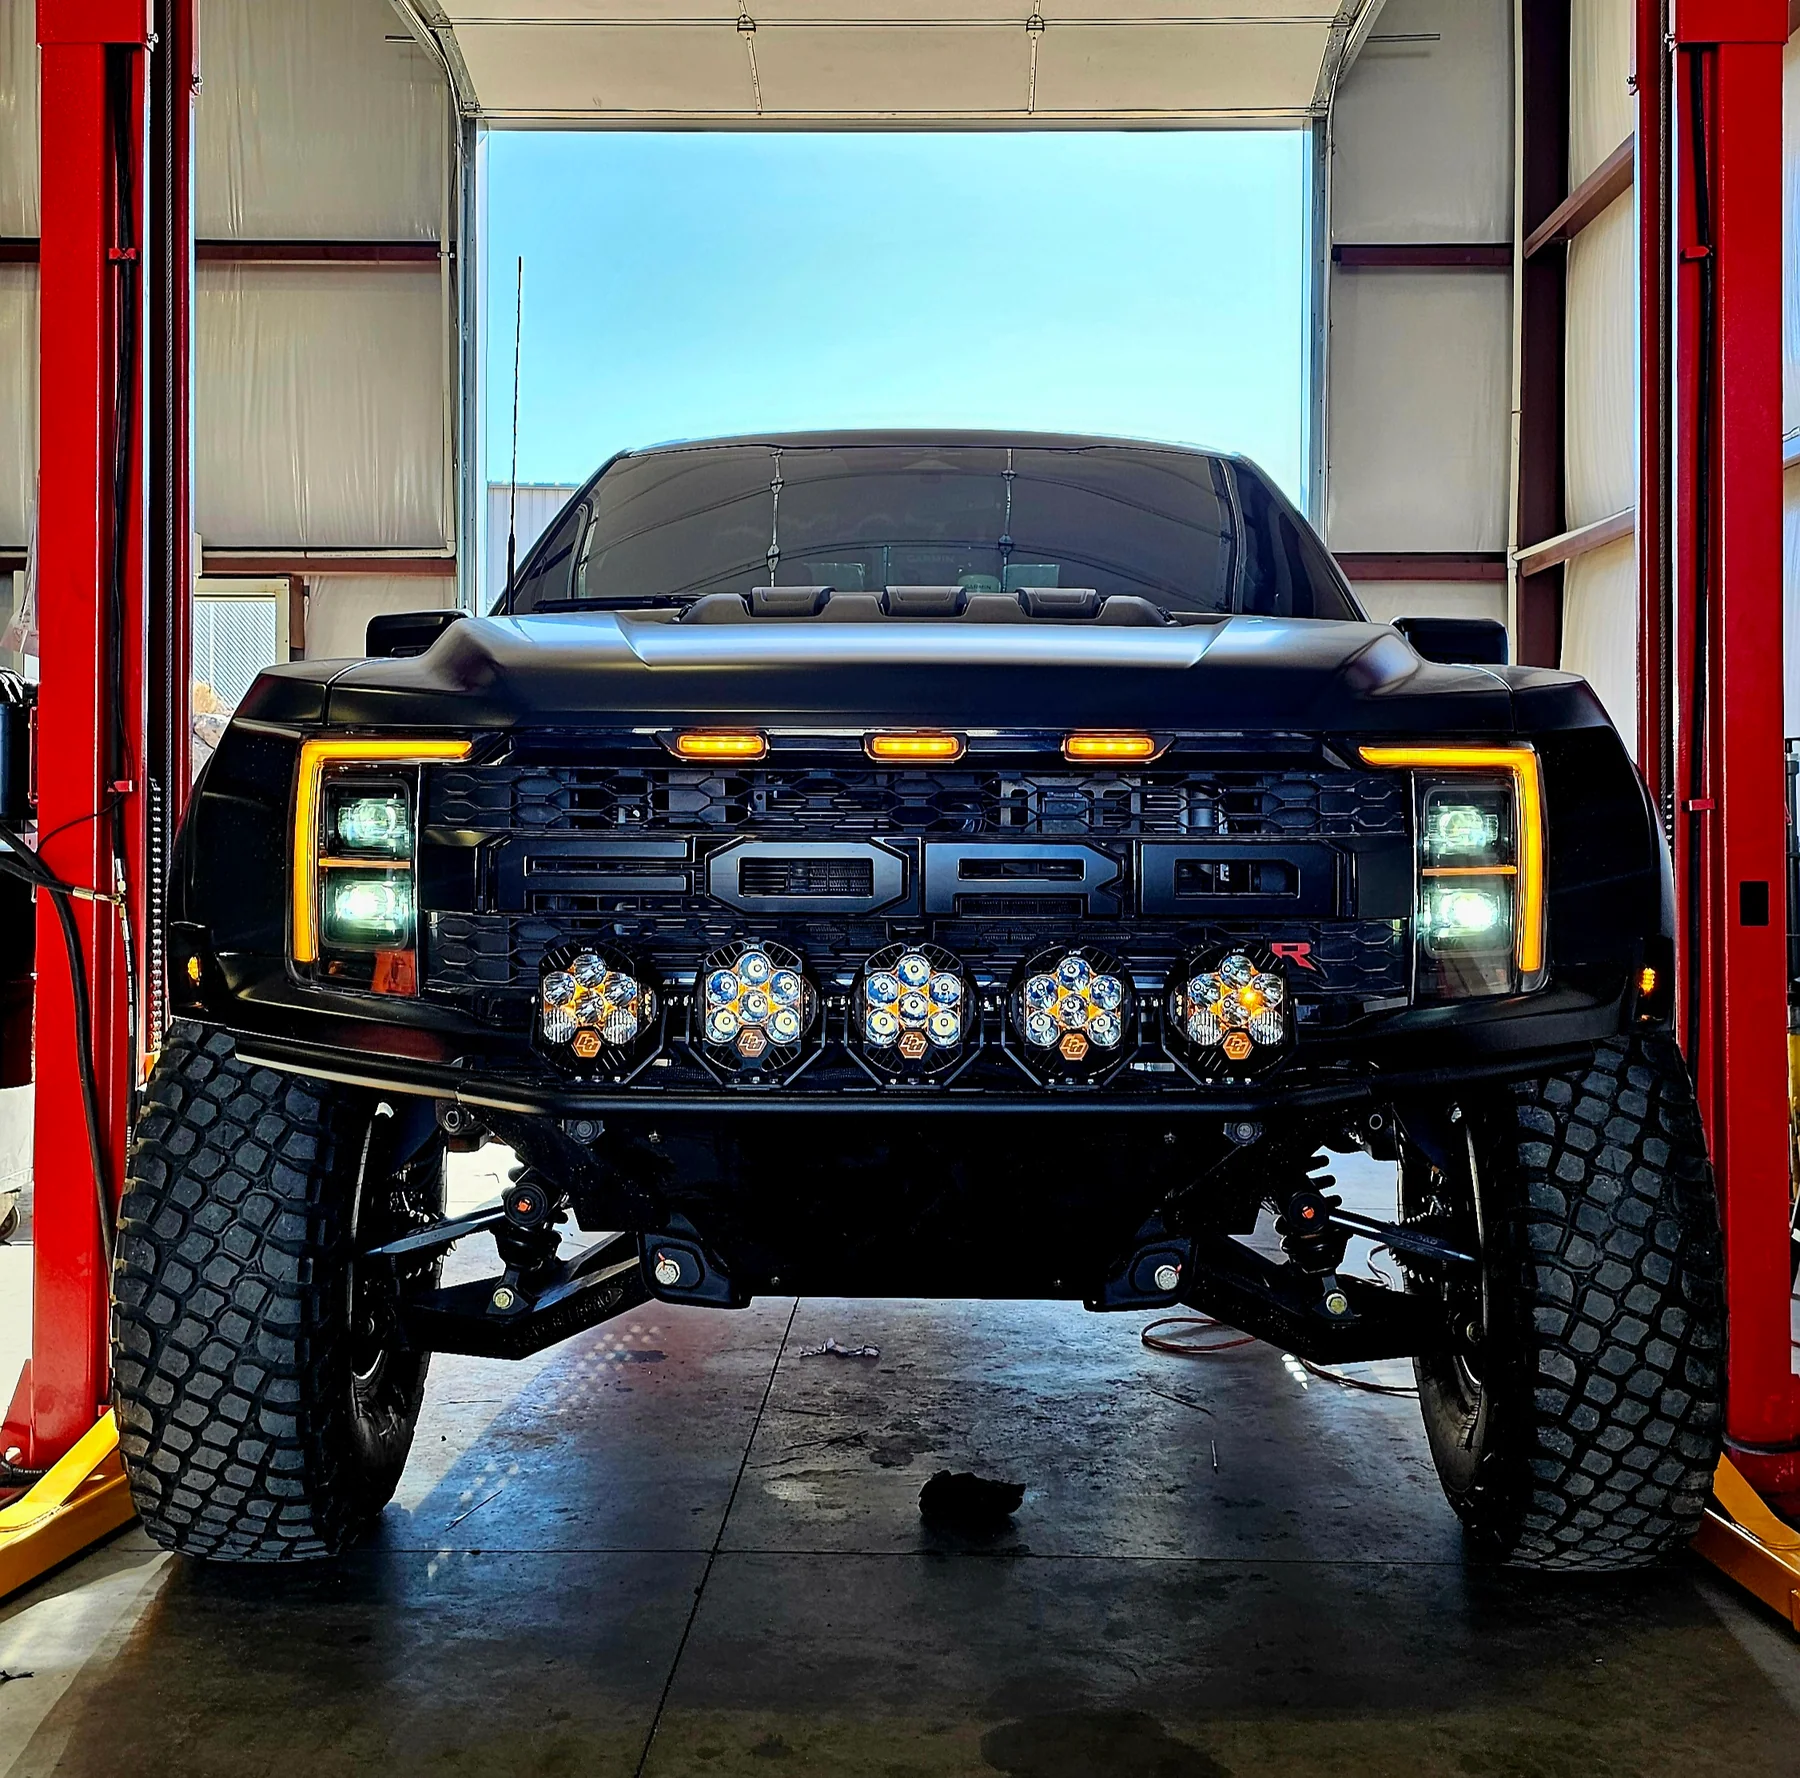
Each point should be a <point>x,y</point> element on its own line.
<point>398,633</point>
<point>1457,641</point>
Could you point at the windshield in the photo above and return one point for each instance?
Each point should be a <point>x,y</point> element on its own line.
<point>1190,532</point>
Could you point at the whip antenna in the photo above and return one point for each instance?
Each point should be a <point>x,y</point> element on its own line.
<point>512,497</point>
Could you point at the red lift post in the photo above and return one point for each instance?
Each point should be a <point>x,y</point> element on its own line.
<point>1709,195</point>
<point>113,621</point>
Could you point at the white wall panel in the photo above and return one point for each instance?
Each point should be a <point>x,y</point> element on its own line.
<point>1423,126</point>
<point>1600,630</point>
<point>1600,367</point>
<point>318,119</point>
<point>1600,99</point>
<point>319,407</point>
<point>339,606</point>
<point>1385,600</point>
<point>18,118</point>
<point>1420,398</point>
<point>18,402</point>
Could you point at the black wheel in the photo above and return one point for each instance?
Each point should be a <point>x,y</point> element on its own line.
<point>265,1401</point>
<point>9,1216</point>
<point>1575,1415</point>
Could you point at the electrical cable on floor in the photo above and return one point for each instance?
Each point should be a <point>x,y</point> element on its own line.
<point>1203,1324</point>
<point>1175,1348</point>
<point>18,860</point>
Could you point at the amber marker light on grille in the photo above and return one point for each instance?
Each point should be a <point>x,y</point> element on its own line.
<point>315,756</point>
<point>919,745</point>
<point>721,743</point>
<point>1110,746</point>
<point>1528,788</point>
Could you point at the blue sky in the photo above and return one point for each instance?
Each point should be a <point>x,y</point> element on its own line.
<point>678,286</point>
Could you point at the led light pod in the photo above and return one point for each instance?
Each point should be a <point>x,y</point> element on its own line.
<point>754,1008</point>
<point>1229,1009</point>
<point>907,1022</point>
<point>595,1009</point>
<point>1069,1008</point>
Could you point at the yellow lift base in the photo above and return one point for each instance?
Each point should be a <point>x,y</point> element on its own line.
<point>1742,1537</point>
<point>75,1504</point>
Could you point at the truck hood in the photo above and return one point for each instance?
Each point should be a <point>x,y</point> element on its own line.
<point>622,669</point>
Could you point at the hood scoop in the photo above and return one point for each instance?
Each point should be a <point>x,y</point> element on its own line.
<point>859,630</point>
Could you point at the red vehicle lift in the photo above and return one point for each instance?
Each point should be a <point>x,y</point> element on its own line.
<point>114,577</point>
<point>115,542</point>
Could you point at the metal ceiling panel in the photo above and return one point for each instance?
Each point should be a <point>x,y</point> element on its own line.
<point>607,73</point>
<point>1161,69</point>
<point>899,62</point>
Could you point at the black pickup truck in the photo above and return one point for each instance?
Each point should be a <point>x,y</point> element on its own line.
<point>905,864</point>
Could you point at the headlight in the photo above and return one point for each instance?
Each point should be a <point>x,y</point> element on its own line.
<point>596,1010</point>
<point>355,901</point>
<point>755,1007</point>
<point>1069,1008</point>
<point>368,910</point>
<point>1479,912</point>
<point>907,1022</point>
<point>372,823</point>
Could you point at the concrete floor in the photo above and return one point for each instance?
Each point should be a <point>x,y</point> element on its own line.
<point>676,1545</point>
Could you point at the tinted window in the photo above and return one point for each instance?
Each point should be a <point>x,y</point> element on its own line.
<point>1288,572</point>
<point>675,524</point>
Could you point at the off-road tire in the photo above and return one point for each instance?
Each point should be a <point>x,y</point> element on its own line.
<point>1581,1429</point>
<point>255,1421</point>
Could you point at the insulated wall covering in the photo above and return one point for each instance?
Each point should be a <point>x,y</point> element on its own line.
<point>1790,238</point>
<point>1600,98</point>
<point>339,606</point>
<point>1790,374</point>
<point>18,403</point>
<point>1600,370</point>
<point>1384,600</point>
<point>1418,386</point>
<point>1600,367</point>
<point>18,118</point>
<point>1600,630</point>
<point>18,283</point>
<point>318,120</point>
<point>320,415</point>
<point>1422,127</point>
<point>1418,421</point>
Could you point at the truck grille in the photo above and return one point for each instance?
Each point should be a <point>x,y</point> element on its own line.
<point>667,865</point>
<point>875,802</point>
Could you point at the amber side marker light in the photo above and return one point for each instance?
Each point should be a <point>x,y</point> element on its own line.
<point>1098,746</point>
<point>920,745</point>
<point>721,744</point>
<point>1646,981</point>
<point>1528,789</point>
<point>315,756</point>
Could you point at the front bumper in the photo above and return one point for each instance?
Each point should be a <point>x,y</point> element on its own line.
<point>1421,1050</point>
